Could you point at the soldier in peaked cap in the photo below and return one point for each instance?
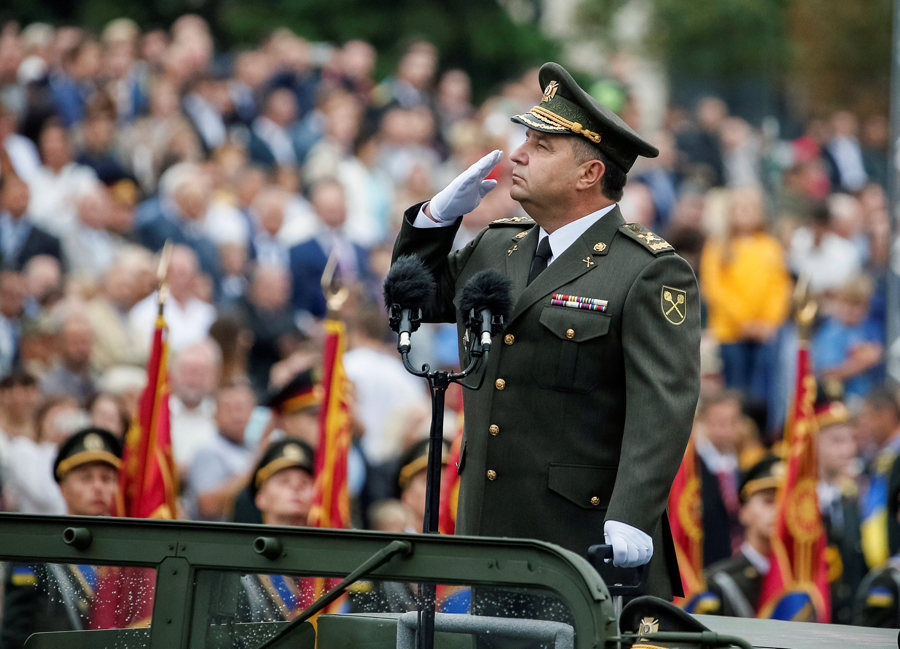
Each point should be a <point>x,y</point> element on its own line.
<point>282,488</point>
<point>57,597</point>
<point>735,583</point>
<point>587,404</point>
<point>282,483</point>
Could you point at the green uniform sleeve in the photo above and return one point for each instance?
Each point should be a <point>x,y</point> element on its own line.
<point>661,343</point>
<point>877,601</point>
<point>433,246</point>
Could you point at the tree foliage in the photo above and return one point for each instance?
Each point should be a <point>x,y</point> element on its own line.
<point>479,37</point>
<point>830,53</point>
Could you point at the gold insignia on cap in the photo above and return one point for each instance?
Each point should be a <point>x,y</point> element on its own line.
<point>550,91</point>
<point>293,452</point>
<point>600,247</point>
<point>93,442</point>
<point>674,304</point>
<point>648,625</point>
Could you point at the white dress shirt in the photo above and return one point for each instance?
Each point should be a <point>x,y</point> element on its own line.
<point>759,561</point>
<point>188,323</point>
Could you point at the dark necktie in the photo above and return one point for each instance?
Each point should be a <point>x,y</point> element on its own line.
<point>541,257</point>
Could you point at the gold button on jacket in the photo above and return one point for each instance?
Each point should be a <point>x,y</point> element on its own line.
<point>500,384</point>
<point>491,474</point>
<point>570,333</point>
<point>494,429</point>
<point>509,339</point>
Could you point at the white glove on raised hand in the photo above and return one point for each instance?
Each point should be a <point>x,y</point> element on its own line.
<point>631,547</point>
<point>466,191</point>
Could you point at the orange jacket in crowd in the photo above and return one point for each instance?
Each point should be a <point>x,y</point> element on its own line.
<point>753,287</point>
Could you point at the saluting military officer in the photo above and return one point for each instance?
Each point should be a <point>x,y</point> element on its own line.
<point>57,597</point>
<point>587,405</point>
<point>282,488</point>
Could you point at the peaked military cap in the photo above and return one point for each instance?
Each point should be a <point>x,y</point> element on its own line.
<point>648,615</point>
<point>88,445</point>
<point>567,109</point>
<point>765,474</point>
<point>301,392</point>
<point>415,459</point>
<point>284,454</point>
<point>829,406</point>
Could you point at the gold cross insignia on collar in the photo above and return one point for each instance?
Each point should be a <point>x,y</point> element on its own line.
<point>550,91</point>
<point>588,261</point>
<point>511,250</point>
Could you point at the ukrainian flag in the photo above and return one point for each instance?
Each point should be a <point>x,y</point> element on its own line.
<point>874,512</point>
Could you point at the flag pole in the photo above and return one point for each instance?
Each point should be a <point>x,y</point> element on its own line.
<point>162,275</point>
<point>335,293</point>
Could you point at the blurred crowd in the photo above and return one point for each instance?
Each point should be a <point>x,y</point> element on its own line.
<point>260,164</point>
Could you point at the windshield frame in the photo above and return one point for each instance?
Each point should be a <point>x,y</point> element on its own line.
<point>178,549</point>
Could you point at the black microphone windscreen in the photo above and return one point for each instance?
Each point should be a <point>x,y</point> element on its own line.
<point>409,284</point>
<point>488,289</point>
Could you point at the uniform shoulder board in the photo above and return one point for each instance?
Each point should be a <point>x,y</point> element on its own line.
<point>521,221</point>
<point>643,236</point>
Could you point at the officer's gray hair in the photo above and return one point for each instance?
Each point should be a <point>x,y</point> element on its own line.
<point>612,184</point>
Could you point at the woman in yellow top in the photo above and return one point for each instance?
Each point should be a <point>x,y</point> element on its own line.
<point>747,290</point>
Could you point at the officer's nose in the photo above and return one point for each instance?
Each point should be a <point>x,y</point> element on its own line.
<point>519,156</point>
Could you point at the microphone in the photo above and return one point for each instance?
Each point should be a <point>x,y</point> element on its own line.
<point>485,305</point>
<point>408,288</point>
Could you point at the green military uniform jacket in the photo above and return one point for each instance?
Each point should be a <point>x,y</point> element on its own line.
<point>736,584</point>
<point>583,415</point>
<point>846,563</point>
<point>878,598</point>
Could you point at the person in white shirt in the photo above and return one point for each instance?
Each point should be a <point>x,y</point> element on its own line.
<point>846,153</point>
<point>89,249</point>
<point>221,467</point>
<point>268,211</point>
<point>57,185</point>
<point>188,317</point>
<point>195,374</point>
<point>822,254</point>
<point>272,129</point>
<point>382,384</point>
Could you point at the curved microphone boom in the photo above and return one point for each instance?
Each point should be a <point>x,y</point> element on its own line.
<point>485,305</point>
<point>408,288</point>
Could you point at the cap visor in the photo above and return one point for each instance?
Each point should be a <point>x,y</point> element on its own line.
<point>531,121</point>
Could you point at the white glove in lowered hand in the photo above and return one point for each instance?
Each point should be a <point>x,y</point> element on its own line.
<point>466,191</point>
<point>631,547</point>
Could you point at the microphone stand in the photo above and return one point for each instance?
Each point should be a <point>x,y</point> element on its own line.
<point>438,382</point>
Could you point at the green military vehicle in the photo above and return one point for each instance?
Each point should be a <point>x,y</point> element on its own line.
<point>214,586</point>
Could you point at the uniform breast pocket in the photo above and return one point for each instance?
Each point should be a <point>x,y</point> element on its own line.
<point>568,357</point>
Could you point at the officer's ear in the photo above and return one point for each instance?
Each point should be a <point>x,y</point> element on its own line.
<point>589,174</point>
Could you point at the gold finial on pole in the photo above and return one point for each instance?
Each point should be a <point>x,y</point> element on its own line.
<point>162,274</point>
<point>335,293</point>
<point>805,307</point>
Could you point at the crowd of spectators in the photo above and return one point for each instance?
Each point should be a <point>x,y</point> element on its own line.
<point>260,164</point>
